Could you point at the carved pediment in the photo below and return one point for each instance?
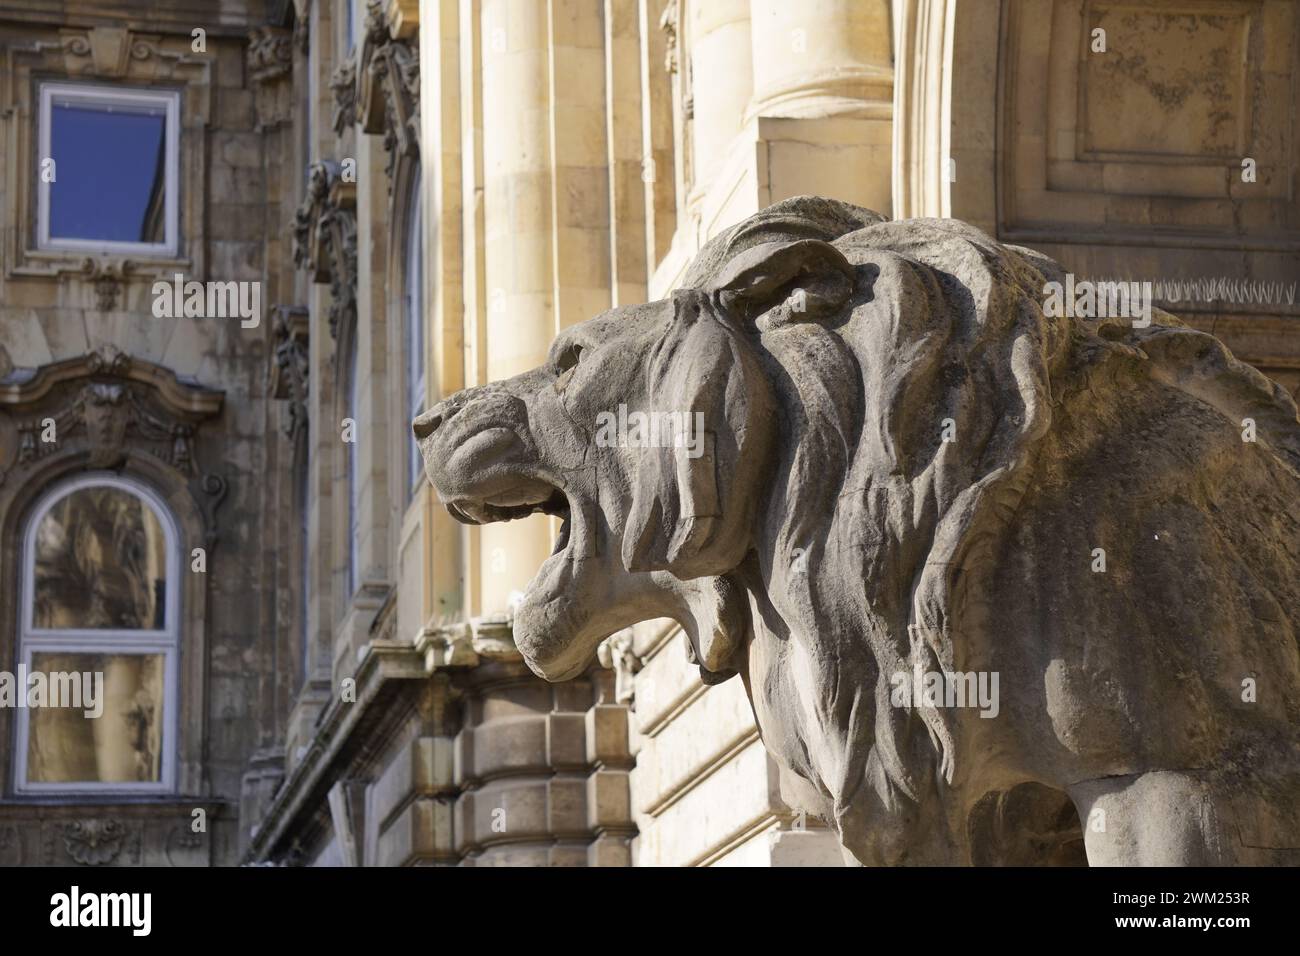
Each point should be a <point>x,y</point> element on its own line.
<point>388,85</point>
<point>105,404</point>
<point>111,51</point>
<point>325,239</point>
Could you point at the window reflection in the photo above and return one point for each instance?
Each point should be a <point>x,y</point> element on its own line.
<point>122,745</point>
<point>101,562</point>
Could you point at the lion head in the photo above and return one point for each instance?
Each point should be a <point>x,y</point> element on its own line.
<point>812,456</point>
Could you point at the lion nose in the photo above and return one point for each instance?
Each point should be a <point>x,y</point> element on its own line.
<point>428,422</point>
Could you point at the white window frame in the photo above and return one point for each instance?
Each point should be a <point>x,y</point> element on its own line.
<point>104,641</point>
<point>100,95</point>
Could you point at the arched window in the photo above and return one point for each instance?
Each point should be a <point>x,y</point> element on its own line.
<point>98,641</point>
<point>413,329</point>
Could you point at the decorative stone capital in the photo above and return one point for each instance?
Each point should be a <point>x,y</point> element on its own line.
<point>325,239</point>
<point>388,86</point>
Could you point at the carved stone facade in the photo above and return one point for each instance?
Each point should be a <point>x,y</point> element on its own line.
<point>359,698</point>
<point>94,386</point>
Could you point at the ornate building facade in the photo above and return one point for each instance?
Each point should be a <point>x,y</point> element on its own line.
<point>308,661</point>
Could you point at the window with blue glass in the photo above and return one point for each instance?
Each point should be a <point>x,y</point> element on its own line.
<point>108,169</point>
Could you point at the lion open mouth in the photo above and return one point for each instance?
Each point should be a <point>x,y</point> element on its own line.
<point>510,507</point>
<point>547,599</point>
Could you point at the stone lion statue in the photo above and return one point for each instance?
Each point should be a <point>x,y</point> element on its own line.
<point>1002,587</point>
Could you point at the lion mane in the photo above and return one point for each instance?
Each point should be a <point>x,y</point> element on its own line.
<point>944,327</point>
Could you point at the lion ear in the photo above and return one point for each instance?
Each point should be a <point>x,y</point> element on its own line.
<point>812,276</point>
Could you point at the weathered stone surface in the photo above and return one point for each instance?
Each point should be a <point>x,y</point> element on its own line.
<point>896,463</point>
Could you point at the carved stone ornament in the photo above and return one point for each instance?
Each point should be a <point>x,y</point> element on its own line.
<point>292,364</point>
<point>270,53</point>
<point>866,463</point>
<point>94,842</point>
<point>343,82</point>
<point>325,239</point>
<point>270,68</point>
<point>388,87</point>
<point>111,50</point>
<point>107,405</point>
<point>107,276</point>
<point>616,652</point>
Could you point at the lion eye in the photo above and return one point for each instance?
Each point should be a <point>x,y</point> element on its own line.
<point>568,359</point>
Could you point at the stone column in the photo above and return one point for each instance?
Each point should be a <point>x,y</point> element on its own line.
<point>521,768</point>
<point>821,58</point>
<point>823,99</point>
<point>517,249</point>
<point>721,79</point>
<point>541,769</point>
